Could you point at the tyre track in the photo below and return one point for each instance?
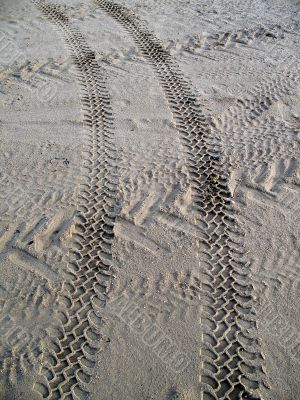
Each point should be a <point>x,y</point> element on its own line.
<point>246,111</point>
<point>232,366</point>
<point>68,369</point>
<point>250,133</point>
<point>257,35</point>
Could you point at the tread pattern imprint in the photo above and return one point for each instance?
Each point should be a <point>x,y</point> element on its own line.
<point>232,362</point>
<point>68,366</point>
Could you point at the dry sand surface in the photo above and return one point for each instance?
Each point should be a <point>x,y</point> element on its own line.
<point>149,200</point>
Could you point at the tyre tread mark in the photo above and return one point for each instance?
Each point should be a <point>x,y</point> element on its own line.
<point>68,369</point>
<point>233,363</point>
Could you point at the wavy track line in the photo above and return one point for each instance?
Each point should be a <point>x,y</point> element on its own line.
<point>69,367</point>
<point>232,366</point>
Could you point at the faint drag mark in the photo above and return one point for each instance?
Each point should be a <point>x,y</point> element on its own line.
<point>44,79</point>
<point>22,300</point>
<point>232,366</point>
<point>176,293</point>
<point>149,332</point>
<point>10,249</point>
<point>68,369</point>
<point>250,131</point>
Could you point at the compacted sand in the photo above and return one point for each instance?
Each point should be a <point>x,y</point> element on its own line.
<point>149,200</point>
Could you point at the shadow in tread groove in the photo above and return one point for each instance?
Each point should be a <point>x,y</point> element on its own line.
<point>232,367</point>
<point>68,369</point>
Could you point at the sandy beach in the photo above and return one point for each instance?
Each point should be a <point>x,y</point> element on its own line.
<point>149,200</point>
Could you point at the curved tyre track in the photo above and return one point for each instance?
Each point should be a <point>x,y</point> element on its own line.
<point>69,367</point>
<point>232,361</point>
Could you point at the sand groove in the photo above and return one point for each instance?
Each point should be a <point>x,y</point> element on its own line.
<point>232,361</point>
<point>69,367</point>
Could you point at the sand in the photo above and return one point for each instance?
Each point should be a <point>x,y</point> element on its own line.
<point>149,200</point>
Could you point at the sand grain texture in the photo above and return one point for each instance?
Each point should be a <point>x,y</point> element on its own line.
<point>149,200</point>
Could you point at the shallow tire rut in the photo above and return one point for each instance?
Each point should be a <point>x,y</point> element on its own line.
<point>68,369</point>
<point>232,363</point>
